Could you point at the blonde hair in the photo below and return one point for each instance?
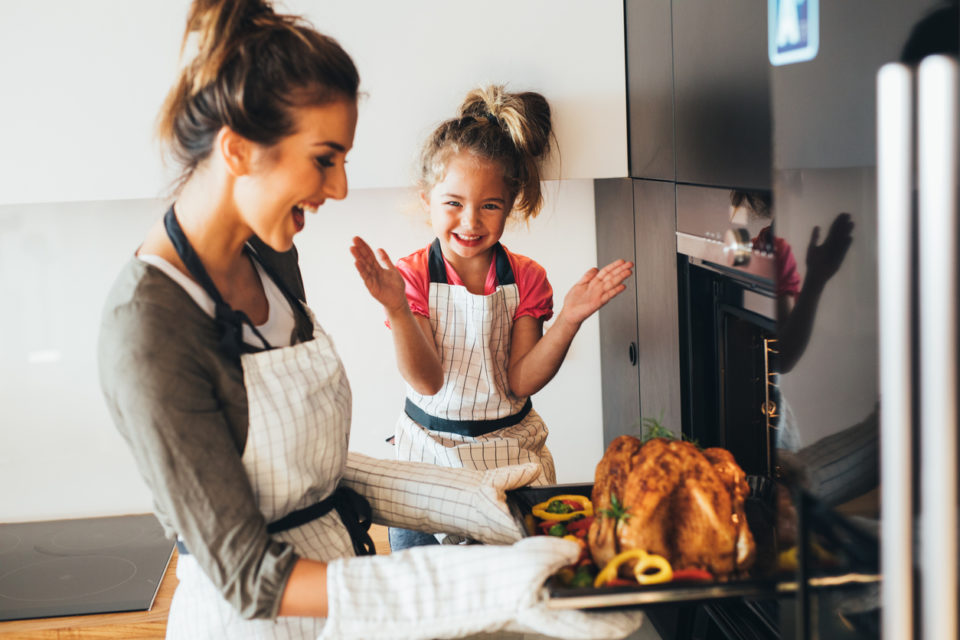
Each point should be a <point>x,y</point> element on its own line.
<point>251,67</point>
<point>510,129</point>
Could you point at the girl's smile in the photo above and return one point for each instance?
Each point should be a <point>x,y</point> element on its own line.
<point>468,210</point>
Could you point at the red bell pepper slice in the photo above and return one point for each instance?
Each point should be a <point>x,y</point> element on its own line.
<point>698,575</point>
<point>573,526</point>
<point>620,582</point>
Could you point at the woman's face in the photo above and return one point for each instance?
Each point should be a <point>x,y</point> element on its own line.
<point>298,174</point>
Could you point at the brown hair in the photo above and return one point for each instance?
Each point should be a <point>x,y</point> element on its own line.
<point>511,129</point>
<point>252,66</point>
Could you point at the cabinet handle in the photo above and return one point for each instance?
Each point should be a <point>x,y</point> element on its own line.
<point>633,354</point>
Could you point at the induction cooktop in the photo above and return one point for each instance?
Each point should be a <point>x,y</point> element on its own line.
<point>84,566</point>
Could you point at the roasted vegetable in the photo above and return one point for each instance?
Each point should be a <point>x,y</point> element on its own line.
<point>652,569</point>
<point>649,568</point>
<point>543,511</point>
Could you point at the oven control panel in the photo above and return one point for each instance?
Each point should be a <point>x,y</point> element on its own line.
<point>727,229</point>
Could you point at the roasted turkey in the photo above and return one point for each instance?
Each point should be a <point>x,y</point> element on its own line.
<point>678,501</point>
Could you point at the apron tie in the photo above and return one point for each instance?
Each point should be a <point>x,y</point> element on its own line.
<point>353,509</point>
<point>471,428</point>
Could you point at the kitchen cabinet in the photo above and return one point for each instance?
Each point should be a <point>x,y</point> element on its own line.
<point>640,328</point>
<point>698,92</point>
<point>649,47</point>
<point>620,375</point>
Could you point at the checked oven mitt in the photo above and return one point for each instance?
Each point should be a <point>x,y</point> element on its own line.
<point>453,591</point>
<point>429,498</point>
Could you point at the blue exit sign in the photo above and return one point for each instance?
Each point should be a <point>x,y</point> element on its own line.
<point>793,30</point>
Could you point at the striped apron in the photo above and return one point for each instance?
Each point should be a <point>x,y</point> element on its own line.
<point>299,410</point>
<point>474,421</point>
<point>300,407</point>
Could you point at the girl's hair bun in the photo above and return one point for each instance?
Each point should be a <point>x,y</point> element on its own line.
<point>512,129</point>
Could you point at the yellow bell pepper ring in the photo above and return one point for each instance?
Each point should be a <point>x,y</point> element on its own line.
<point>609,572</point>
<point>653,569</point>
<point>540,510</point>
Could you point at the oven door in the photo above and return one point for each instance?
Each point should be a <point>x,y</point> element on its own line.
<point>727,315</point>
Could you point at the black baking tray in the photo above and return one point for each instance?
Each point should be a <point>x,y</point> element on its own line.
<point>763,582</point>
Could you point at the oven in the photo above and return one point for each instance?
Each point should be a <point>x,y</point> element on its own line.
<point>742,333</point>
<point>727,298</point>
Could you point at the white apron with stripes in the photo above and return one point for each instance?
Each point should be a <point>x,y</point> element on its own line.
<point>472,333</point>
<point>299,412</point>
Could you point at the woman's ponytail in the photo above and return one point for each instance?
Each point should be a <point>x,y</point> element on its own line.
<point>246,67</point>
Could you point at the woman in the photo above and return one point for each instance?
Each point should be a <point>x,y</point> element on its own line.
<point>235,403</point>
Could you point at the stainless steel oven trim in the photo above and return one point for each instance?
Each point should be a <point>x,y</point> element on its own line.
<point>700,593</point>
<point>715,251</point>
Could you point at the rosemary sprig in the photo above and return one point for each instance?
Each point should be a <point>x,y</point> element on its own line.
<point>616,511</point>
<point>653,428</point>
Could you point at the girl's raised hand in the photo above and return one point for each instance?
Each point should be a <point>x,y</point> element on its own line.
<point>381,277</point>
<point>595,289</point>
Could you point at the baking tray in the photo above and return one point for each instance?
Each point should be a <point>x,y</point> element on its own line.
<point>764,581</point>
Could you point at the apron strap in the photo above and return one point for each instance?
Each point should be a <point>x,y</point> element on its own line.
<point>229,321</point>
<point>353,509</point>
<point>438,270</point>
<point>295,302</point>
<point>471,428</point>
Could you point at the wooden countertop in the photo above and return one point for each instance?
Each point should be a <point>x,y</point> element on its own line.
<point>134,625</point>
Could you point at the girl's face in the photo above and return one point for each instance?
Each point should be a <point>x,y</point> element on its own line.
<point>298,173</point>
<point>468,209</point>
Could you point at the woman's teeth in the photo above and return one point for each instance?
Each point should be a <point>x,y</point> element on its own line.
<point>307,207</point>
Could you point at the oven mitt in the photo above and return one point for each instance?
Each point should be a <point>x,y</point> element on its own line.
<point>429,498</point>
<point>452,591</point>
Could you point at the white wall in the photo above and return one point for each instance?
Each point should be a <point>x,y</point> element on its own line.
<point>80,178</point>
<point>83,82</point>
<point>60,455</point>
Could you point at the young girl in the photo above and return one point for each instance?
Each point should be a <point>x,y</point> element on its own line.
<point>467,314</point>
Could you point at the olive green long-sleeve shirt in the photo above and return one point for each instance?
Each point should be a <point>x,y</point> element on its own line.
<point>182,408</point>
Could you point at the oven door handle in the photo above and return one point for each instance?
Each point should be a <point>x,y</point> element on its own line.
<point>894,214</point>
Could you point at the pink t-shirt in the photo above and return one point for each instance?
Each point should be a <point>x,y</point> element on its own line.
<point>536,294</point>
<point>788,274</point>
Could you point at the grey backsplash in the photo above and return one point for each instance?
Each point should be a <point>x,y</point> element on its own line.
<point>60,455</point>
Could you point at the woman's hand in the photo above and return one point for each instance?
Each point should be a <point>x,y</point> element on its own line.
<point>382,278</point>
<point>595,289</point>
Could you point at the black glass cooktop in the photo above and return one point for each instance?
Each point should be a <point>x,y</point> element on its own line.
<point>73,567</point>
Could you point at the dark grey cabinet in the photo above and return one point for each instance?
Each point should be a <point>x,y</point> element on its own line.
<point>698,90</point>
<point>649,65</point>
<point>639,329</point>
<point>620,378</point>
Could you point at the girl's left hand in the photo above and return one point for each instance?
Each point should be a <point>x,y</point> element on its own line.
<point>595,289</point>
<point>383,279</point>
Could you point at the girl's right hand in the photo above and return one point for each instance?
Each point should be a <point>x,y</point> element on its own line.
<point>381,277</point>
